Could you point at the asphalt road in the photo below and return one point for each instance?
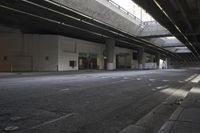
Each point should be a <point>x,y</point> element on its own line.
<point>103,102</point>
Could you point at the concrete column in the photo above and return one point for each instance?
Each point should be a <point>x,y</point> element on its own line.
<point>158,60</point>
<point>141,59</point>
<point>110,53</point>
<point>168,63</point>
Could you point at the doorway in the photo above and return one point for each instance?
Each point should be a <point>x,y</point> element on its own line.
<point>122,61</point>
<point>87,61</point>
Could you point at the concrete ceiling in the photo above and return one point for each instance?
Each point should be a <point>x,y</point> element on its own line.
<point>180,17</point>
<point>48,18</point>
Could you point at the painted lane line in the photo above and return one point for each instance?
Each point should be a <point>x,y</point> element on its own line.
<point>161,87</point>
<point>152,79</point>
<point>11,128</point>
<point>104,77</point>
<point>196,80</point>
<point>15,118</point>
<point>191,77</point>
<point>49,122</point>
<point>165,80</point>
<point>67,89</point>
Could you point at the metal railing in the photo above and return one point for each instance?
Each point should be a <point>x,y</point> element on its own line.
<point>142,24</point>
<point>151,23</point>
<point>124,10</point>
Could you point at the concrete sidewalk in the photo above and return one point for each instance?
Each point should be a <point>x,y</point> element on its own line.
<point>186,119</point>
<point>19,74</point>
<point>153,121</point>
<point>13,74</point>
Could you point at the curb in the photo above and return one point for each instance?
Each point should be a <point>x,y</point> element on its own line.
<point>154,120</point>
<point>170,124</point>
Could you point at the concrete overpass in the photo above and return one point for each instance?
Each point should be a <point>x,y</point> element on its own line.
<point>92,66</point>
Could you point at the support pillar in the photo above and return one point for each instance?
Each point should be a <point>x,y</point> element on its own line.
<point>158,60</point>
<point>168,63</point>
<point>141,59</point>
<point>110,53</point>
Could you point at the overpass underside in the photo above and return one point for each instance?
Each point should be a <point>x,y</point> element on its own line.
<point>91,66</point>
<point>70,30</point>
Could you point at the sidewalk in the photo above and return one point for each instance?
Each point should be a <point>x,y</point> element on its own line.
<point>18,74</point>
<point>14,74</point>
<point>153,121</point>
<point>186,119</point>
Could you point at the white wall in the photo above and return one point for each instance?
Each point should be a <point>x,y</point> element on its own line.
<point>41,47</point>
<point>135,64</point>
<point>28,52</point>
<point>150,66</point>
<point>129,61</point>
<point>10,46</point>
<point>70,48</point>
<point>94,48</point>
<point>66,52</point>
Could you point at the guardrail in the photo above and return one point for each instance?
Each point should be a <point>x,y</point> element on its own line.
<point>143,24</point>
<point>153,26</point>
<point>124,10</point>
<point>151,23</point>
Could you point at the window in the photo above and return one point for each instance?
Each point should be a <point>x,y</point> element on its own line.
<point>72,63</point>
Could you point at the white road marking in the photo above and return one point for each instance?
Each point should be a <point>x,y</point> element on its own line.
<point>104,77</point>
<point>49,122</point>
<point>153,89</point>
<point>16,118</point>
<point>67,89</point>
<point>152,79</point>
<point>161,87</point>
<point>165,80</point>
<point>196,80</point>
<point>191,77</point>
<point>11,128</point>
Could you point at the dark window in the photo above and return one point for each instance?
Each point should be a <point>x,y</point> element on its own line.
<point>5,58</point>
<point>47,58</point>
<point>72,64</point>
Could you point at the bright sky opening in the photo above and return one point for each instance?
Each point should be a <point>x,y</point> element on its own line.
<point>136,10</point>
